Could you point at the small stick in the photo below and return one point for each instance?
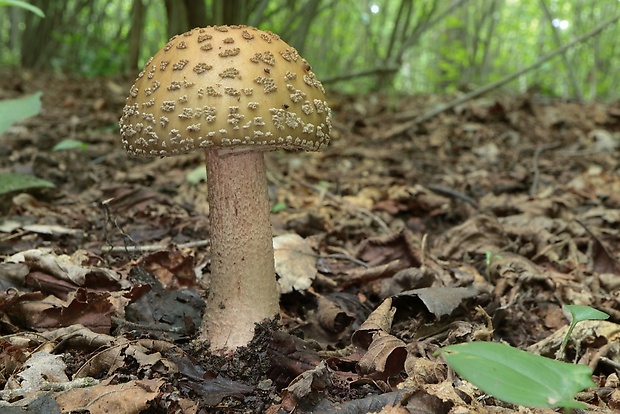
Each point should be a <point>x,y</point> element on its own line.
<point>153,247</point>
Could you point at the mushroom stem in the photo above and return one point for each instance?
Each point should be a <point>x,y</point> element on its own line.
<point>243,289</point>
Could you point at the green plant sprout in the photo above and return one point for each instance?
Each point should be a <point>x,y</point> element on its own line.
<point>518,377</point>
<point>10,182</point>
<point>579,313</point>
<point>195,176</point>
<point>70,144</point>
<point>11,111</point>
<point>277,207</point>
<point>490,257</point>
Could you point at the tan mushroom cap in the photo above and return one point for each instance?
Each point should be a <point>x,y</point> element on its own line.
<point>225,86</point>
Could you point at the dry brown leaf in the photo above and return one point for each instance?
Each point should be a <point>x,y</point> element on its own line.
<point>512,266</point>
<point>479,234</point>
<point>90,309</point>
<point>316,379</point>
<point>145,352</point>
<point>446,392</point>
<point>440,301</point>
<point>423,371</point>
<point>104,398</point>
<point>394,409</point>
<point>385,357</point>
<point>69,268</point>
<point>331,317</point>
<point>403,247</point>
<point>295,262</point>
<point>290,356</point>
<point>366,198</point>
<point>364,275</point>
<point>380,320</point>
<point>172,267</point>
<point>23,309</point>
<point>601,259</point>
<point>41,368</point>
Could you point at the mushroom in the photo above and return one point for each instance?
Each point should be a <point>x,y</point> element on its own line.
<point>234,92</point>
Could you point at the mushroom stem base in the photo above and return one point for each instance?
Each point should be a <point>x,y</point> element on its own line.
<point>243,290</point>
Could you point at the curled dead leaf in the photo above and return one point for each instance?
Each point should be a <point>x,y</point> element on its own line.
<point>385,357</point>
<point>331,317</point>
<point>380,320</point>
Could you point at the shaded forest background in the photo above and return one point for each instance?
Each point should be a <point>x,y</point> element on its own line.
<point>403,46</point>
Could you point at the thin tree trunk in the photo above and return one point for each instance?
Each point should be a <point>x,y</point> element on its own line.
<point>558,42</point>
<point>135,33</point>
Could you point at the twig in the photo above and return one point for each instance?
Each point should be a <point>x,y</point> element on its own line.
<point>153,247</point>
<point>343,256</point>
<point>161,327</point>
<point>8,395</point>
<point>450,192</point>
<point>536,179</point>
<point>334,197</point>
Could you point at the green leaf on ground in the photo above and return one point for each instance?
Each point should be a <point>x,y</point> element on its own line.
<point>13,110</point>
<point>518,377</point>
<point>69,144</point>
<point>16,182</point>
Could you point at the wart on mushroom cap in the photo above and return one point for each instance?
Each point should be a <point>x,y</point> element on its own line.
<point>225,86</point>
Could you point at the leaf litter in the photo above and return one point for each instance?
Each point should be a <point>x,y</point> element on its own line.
<point>477,224</point>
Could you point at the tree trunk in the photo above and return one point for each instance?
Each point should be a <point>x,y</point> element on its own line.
<point>135,33</point>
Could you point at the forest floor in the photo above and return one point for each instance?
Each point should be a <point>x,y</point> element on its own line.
<point>478,224</point>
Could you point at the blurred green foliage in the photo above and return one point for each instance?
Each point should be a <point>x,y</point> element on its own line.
<point>427,46</point>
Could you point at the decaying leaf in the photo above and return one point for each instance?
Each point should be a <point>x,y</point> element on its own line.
<point>91,309</point>
<point>439,301</point>
<point>117,355</point>
<point>403,247</point>
<point>313,380</point>
<point>40,369</point>
<point>211,387</point>
<point>331,317</point>
<point>479,234</point>
<point>601,259</point>
<point>384,358</point>
<point>380,320</point>
<point>290,356</point>
<point>364,275</point>
<point>34,403</point>
<point>128,398</point>
<point>295,262</point>
<point>172,267</point>
<point>422,371</point>
<point>69,268</point>
<point>162,312</point>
